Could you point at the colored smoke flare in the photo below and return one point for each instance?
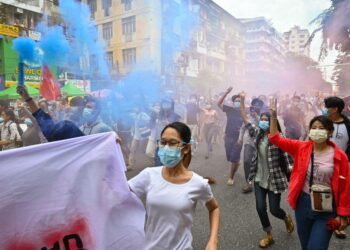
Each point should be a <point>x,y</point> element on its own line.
<point>20,74</point>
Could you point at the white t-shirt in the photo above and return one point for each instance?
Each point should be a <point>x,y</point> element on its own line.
<point>169,207</point>
<point>340,136</point>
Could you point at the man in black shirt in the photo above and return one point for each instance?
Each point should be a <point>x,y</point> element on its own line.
<point>233,125</point>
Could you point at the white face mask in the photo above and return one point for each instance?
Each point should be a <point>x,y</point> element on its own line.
<point>318,135</point>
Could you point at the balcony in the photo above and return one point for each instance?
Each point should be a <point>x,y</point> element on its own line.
<point>35,3</point>
<point>202,48</point>
<point>31,5</point>
<point>217,53</point>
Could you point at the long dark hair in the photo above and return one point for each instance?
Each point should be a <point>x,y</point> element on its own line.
<point>185,135</point>
<point>11,114</point>
<point>164,113</point>
<point>261,132</point>
<point>326,122</point>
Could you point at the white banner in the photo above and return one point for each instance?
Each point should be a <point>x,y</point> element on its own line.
<point>68,195</point>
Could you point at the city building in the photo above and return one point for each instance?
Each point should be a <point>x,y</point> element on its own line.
<point>143,34</point>
<point>265,53</point>
<point>19,18</point>
<point>219,43</point>
<point>131,32</point>
<point>296,39</point>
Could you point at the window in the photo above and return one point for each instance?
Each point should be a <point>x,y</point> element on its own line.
<point>109,59</point>
<point>129,56</point>
<point>93,63</point>
<point>127,4</point>
<point>106,4</point>
<point>107,31</point>
<point>92,6</point>
<point>128,27</point>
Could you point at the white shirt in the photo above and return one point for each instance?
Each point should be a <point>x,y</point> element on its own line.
<point>9,132</point>
<point>340,136</point>
<point>169,208</point>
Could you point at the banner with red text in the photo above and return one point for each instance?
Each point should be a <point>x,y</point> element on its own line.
<point>68,195</point>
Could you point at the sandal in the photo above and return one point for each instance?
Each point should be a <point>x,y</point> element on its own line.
<point>289,224</point>
<point>340,234</point>
<point>266,242</point>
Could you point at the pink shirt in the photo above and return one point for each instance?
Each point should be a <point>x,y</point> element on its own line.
<point>323,169</point>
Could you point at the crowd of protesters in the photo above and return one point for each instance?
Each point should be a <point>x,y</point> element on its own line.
<point>263,138</point>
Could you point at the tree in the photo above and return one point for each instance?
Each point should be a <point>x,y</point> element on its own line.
<point>334,23</point>
<point>341,73</point>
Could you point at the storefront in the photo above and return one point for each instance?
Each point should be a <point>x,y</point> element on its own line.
<point>9,59</point>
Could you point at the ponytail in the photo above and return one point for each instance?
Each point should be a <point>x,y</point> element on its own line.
<point>187,158</point>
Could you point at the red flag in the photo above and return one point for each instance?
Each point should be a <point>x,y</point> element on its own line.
<point>49,88</point>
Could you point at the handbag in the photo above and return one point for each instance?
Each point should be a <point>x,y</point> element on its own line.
<point>284,160</point>
<point>321,195</point>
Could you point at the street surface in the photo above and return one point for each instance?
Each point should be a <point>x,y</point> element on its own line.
<point>240,226</point>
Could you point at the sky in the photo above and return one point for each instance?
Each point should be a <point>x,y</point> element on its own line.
<point>284,14</point>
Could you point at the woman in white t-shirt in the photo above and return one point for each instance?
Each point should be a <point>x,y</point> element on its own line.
<point>172,192</point>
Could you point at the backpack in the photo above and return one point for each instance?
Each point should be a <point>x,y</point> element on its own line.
<point>18,141</point>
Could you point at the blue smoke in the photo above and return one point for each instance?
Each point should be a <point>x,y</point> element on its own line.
<point>178,26</point>
<point>54,44</point>
<point>84,35</point>
<point>26,49</point>
<point>140,88</point>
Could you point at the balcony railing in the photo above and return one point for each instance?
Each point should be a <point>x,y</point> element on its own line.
<point>35,3</point>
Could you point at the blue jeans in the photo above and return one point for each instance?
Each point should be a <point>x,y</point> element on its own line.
<point>261,206</point>
<point>312,231</point>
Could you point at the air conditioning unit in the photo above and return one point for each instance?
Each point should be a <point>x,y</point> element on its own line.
<point>19,10</point>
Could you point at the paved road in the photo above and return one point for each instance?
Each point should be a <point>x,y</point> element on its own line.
<point>240,226</point>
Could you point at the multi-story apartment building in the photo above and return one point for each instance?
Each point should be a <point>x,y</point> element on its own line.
<point>219,43</point>
<point>142,34</point>
<point>296,40</point>
<point>265,52</point>
<point>131,32</point>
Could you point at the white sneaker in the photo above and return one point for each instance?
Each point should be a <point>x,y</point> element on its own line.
<point>230,182</point>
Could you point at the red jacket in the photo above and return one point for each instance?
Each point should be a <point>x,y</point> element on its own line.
<point>301,152</point>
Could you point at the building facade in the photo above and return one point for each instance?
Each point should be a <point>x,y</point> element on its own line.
<point>20,18</point>
<point>265,53</point>
<point>131,33</point>
<point>296,40</point>
<point>148,35</point>
<point>17,18</point>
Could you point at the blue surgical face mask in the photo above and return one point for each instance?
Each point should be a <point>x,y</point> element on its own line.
<point>1,120</point>
<point>236,104</point>
<point>325,112</point>
<point>28,122</point>
<point>169,156</point>
<point>264,125</point>
<point>88,115</point>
